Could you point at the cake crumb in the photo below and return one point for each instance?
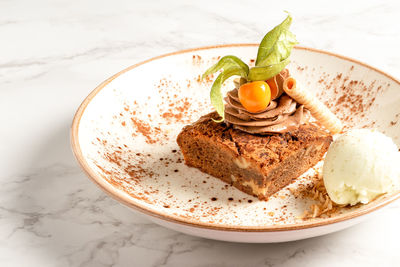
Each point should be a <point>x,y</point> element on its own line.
<point>324,206</point>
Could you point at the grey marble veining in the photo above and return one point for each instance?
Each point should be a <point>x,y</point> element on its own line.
<point>53,53</point>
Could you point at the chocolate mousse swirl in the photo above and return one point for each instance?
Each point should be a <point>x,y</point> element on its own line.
<point>281,115</point>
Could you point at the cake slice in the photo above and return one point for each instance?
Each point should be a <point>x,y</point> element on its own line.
<point>259,165</point>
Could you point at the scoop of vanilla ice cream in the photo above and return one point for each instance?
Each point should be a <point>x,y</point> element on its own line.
<point>361,165</point>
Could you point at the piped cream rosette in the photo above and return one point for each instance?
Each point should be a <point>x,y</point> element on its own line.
<point>316,107</point>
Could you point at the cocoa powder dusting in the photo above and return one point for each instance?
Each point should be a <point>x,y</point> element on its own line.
<point>146,130</point>
<point>125,165</point>
<point>351,99</point>
<point>177,111</point>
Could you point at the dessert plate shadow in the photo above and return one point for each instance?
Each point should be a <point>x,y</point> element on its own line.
<point>124,138</point>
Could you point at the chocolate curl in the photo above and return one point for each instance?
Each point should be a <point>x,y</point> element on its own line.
<point>316,107</point>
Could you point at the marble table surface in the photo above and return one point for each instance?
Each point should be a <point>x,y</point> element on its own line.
<point>53,53</point>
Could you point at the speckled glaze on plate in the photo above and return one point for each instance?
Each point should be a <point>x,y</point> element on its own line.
<point>124,137</point>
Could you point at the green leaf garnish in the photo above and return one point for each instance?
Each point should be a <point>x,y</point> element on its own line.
<point>225,63</point>
<point>277,44</point>
<point>267,72</point>
<point>272,57</point>
<point>216,95</point>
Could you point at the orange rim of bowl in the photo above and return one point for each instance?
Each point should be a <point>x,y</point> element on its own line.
<point>124,198</point>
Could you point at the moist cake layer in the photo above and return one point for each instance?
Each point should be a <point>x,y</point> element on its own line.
<point>257,165</point>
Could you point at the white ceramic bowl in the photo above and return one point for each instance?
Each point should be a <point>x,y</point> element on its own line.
<point>123,136</point>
